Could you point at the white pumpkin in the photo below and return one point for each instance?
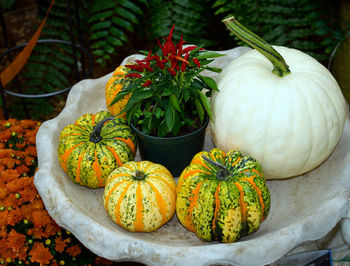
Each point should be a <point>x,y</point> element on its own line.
<point>290,124</point>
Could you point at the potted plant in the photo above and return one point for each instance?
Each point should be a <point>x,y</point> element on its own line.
<point>168,106</point>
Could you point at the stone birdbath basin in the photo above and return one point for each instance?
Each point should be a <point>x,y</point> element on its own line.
<point>303,209</point>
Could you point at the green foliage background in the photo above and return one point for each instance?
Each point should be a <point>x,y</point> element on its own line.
<point>113,26</point>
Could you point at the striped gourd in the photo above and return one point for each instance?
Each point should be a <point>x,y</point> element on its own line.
<point>113,87</point>
<point>222,197</point>
<point>93,146</point>
<point>140,196</point>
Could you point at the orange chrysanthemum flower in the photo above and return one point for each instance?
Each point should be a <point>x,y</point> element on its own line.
<point>19,184</point>
<point>5,135</point>
<point>51,229</point>
<point>9,162</point>
<point>40,254</point>
<point>40,218</point>
<point>3,218</point>
<point>16,240</point>
<point>14,216</point>
<point>60,244</point>
<point>22,169</point>
<point>74,250</point>
<point>29,160</point>
<point>9,175</point>
<point>31,151</point>
<point>22,254</point>
<point>3,193</point>
<point>5,152</point>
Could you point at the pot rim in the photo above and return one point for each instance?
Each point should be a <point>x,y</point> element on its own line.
<point>154,138</point>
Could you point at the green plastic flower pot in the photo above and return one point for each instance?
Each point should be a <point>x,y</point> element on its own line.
<point>175,153</point>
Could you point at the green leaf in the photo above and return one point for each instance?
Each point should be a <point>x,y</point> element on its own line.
<point>177,125</point>
<point>126,14</point>
<point>206,104</point>
<point>118,97</point>
<point>113,40</point>
<point>131,6</point>
<point>214,69</point>
<point>170,117</point>
<point>137,96</point>
<point>209,82</point>
<point>195,50</point>
<point>118,33</point>
<point>167,92</point>
<point>200,110</point>
<point>98,52</point>
<point>99,34</point>
<point>133,111</point>
<point>121,22</point>
<point>98,44</point>
<point>206,55</point>
<point>162,129</point>
<point>175,102</point>
<point>101,5</point>
<point>109,49</point>
<point>101,15</point>
<point>187,95</point>
<point>100,25</point>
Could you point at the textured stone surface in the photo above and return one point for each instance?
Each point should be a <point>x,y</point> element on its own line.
<point>303,208</point>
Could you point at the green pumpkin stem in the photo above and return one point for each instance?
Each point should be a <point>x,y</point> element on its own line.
<point>280,66</point>
<point>223,172</point>
<point>95,135</point>
<point>139,175</point>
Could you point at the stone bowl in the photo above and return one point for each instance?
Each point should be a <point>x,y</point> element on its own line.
<point>303,209</point>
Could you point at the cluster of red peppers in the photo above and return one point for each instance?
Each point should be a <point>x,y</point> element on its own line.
<point>175,59</point>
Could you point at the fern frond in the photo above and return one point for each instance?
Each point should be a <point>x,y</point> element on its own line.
<point>191,19</point>
<point>110,24</point>
<point>300,24</point>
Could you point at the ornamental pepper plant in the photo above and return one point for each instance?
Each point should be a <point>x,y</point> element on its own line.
<point>168,93</point>
<point>28,235</point>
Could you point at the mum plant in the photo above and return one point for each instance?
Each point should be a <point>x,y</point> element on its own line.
<point>168,93</point>
<point>28,235</point>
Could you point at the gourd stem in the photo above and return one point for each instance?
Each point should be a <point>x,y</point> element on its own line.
<point>223,172</point>
<point>280,66</point>
<point>95,135</point>
<point>139,175</point>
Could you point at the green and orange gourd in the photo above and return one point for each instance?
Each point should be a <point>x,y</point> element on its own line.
<point>222,197</point>
<point>140,196</point>
<point>93,146</point>
<point>113,87</point>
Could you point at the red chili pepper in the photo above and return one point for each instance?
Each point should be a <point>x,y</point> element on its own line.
<point>133,75</point>
<point>196,61</point>
<point>189,49</point>
<point>147,83</point>
<point>160,45</point>
<point>160,63</point>
<point>148,67</point>
<point>169,46</point>
<point>183,65</point>
<point>138,67</point>
<point>145,63</point>
<point>172,71</point>
<point>179,45</point>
